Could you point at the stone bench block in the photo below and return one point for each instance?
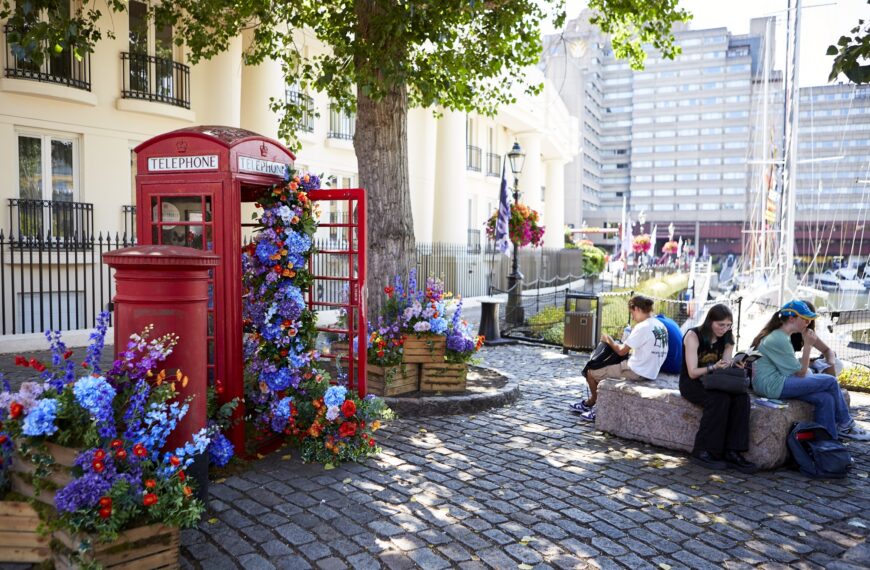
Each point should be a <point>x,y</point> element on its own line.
<point>656,413</point>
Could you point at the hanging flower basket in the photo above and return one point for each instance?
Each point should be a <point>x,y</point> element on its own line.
<point>671,247</point>
<point>523,227</point>
<point>641,244</point>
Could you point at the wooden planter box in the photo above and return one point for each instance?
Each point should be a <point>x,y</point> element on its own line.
<point>19,540</point>
<point>443,377</point>
<point>393,380</point>
<point>424,349</point>
<point>153,546</point>
<point>22,471</point>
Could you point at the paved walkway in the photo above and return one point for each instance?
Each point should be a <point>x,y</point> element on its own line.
<point>529,486</point>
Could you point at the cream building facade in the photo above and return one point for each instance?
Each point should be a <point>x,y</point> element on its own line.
<point>68,129</point>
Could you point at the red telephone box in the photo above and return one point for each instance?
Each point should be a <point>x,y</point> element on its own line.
<point>191,185</point>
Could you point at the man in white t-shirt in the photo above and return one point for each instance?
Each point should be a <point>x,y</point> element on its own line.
<point>648,345</point>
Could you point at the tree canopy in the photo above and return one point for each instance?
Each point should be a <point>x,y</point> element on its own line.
<point>850,51</point>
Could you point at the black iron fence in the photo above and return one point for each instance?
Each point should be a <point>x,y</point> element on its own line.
<point>154,78</point>
<point>129,214</point>
<point>72,222</point>
<point>62,68</point>
<point>54,283</point>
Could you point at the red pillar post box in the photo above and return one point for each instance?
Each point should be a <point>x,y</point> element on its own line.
<point>168,287</point>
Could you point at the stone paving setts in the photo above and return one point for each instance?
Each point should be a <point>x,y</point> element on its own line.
<point>529,485</point>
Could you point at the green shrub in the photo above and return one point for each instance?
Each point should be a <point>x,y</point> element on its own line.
<point>555,334</point>
<point>856,378</point>
<point>593,260</point>
<point>546,318</point>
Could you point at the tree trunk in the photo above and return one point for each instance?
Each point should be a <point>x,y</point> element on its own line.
<point>381,144</point>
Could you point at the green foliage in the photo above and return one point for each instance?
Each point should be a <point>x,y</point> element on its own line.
<point>555,334</point>
<point>547,317</point>
<point>633,23</point>
<point>593,260</point>
<point>849,51</point>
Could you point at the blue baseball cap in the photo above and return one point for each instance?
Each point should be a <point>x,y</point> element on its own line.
<point>798,309</point>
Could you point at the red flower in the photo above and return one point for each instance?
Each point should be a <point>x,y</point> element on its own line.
<point>174,461</point>
<point>99,455</point>
<point>150,483</point>
<point>39,366</point>
<point>98,466</point>
<point>21,361</point>
<point>187,491</point>
<point>347,429</point>
<point>84,364</point>
<point>348,408</point>
<point>182,476</point>
<point>67,354</point>
<point>121,455</point>
<point>33,362</point>
<point>116,443</point>
<point>389,291</point>
<point>105,512</point>
<point>15,410</point>
<point>3,438</point>
<point>105,501</point>
<point>139,450</point>
<point>371,443</point>
<point>149,499</point>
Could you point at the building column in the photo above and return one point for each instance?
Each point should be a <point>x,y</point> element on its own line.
<point>554,203</point>
<point>216,87</point>
<point>422,137</point>
<point>450,204</point>
<point>532,177</point>
<point>259,84</point>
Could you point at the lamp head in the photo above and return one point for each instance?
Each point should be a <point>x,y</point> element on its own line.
<point>517,159</point>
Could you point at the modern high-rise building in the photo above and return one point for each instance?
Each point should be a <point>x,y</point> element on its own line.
<point>696,141</point>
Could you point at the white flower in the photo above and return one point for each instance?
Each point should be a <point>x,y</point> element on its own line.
<point>332,413</point>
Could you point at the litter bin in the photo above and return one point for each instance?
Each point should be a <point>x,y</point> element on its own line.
<point>582,321</point>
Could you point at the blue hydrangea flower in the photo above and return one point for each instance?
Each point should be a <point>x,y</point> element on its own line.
<point>265,250</point>
<point>220,450</point>
<point>95,395</point>
<point>40,420</point>
<point>280,414</point>
<point>335,396</point>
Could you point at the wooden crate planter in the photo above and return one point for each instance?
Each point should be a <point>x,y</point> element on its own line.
<point>424,349</point>
<point>22,472</point>
<point>393,380</point>
<point>153,546</point>
<point>443,377</point>
<point>19,539</point>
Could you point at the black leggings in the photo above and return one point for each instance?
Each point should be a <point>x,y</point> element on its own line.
<point>725,420</point>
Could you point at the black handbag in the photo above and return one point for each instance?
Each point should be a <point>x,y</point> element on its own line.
<point>602,357</point>
<point>732,380</point>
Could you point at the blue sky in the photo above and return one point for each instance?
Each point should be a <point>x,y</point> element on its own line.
<point>820,27</point>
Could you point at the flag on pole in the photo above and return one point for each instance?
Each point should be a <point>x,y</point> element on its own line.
<point>627,237</point>
<point>706,253</point>
<point>502,222</point>
<point>652,239</point>
<point>680,247</point>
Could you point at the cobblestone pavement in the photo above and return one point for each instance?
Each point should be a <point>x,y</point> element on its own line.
<point>529,486</point>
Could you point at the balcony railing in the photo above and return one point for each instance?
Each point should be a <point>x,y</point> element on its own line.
<point>341,125</point>
<point>306,103</point>
<point>473,241</point>
<point>155,79</point>
<point>46,219</point>
<point>493,164</point>
<point>473,156</point>
<point>62,68</point>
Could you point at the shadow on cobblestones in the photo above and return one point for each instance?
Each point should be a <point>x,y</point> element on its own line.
<point>529,484</point>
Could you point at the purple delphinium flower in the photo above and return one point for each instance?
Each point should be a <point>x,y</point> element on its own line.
<point>98,341</point>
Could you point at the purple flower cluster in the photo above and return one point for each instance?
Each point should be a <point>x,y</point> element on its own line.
<point>142,355</point>
<point>98,341</point>
<point>220,450</point>
<point>280,411</point>
<point>84,492</point>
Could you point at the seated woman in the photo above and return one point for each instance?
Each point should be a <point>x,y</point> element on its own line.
<point>778,374</point>
<point>825,364</point>
<point>723,434</point>
<point>648,344</point>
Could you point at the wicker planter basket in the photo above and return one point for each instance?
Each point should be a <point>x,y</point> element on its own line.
<point>19,540</point>
<point>424,349</point>
<point>443,377</point>
<point>393,380</point>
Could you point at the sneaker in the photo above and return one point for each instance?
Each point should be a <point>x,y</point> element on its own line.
<point>853,431</point>
<point>589,416</point>
<point>580,406</point>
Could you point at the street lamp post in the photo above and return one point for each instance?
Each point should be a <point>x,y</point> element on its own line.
<point>515,314</point>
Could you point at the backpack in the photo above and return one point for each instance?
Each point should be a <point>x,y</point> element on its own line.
<point>602,357</point>
<point>673,363</point>
<point>817,454</point>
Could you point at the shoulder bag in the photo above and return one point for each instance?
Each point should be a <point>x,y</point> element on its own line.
<point>732,380</point>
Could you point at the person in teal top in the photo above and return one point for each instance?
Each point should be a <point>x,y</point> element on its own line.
<point>778,374</point>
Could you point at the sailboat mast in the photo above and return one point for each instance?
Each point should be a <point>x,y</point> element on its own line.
<point>765,153</point>
<point>792,102</point>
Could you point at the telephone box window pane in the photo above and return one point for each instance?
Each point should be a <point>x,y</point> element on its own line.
<point>209,241</point>
<point>211,350</point>
<point>193,237</point>
<point>210,375</point>
<point>208,215</point>
<point>182,208</point>
<point>154,216</point>
<point>210,320</point>
<point>155,235</point>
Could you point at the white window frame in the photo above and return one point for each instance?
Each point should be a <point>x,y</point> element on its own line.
<point>45,138</point>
